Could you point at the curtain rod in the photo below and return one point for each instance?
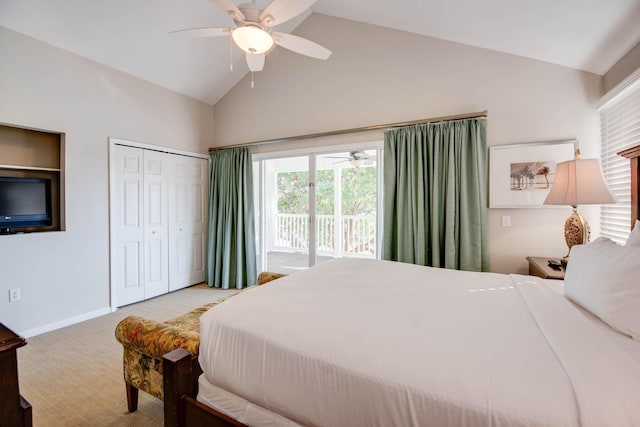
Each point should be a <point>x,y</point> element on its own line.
<point>360,129</point>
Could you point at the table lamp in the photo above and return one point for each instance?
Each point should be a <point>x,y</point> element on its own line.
<point>578,182</point>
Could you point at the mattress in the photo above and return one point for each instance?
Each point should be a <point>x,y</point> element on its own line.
<point>238,408</point>
<point>374,343</point>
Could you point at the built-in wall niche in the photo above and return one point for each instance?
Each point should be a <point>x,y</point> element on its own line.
<point>31,162</point>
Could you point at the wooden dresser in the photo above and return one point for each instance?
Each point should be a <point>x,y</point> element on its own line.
<point>15,411</point>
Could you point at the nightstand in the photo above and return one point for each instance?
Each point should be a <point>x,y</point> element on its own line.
<point>538,266</point>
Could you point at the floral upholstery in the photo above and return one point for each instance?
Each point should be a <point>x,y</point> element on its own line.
<point>268,276</point>
<point>146,341</point>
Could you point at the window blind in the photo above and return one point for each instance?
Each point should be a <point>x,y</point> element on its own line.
<point>620,129</point>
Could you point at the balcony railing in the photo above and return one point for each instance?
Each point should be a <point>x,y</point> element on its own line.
<point>357,234</point>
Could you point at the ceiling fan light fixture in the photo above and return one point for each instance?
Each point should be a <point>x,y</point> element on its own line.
<point>252,39</point>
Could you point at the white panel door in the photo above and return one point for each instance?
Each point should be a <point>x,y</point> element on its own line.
<point>179,257</point>
<point>188,218</point>
<point>199,218</point>
<point>127,221</point>
<point>156,227</point>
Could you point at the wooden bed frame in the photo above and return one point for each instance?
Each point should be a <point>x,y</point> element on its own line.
<point>180,381</point>
<point>633,154</point>
<point>181,372</point>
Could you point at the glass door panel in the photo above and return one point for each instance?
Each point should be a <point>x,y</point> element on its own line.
<point>326,199</point>
<point>286,213</point>
<point>346,205</point>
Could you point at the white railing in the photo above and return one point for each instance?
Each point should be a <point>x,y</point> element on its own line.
<point>292,231</point>
<point>358,234</point>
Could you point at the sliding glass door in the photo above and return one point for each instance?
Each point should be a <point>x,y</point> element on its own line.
<point>346,205</point>
<point>283,213</point>
<point>311,209</point>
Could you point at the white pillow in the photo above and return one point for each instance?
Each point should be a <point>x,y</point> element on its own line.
<point>604,278</point>
<point>634,238</point>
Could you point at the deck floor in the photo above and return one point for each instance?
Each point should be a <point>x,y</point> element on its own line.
<point>290,262</point>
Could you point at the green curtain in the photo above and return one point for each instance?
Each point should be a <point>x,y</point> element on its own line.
<point>435,195</point>
<point>231,246</point>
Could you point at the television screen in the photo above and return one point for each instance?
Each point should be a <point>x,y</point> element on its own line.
<point>24,202</point>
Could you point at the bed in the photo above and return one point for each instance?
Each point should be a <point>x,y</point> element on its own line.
<point>337,345</point>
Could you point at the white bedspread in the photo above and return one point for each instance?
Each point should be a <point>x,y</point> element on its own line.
<point>374,343</point>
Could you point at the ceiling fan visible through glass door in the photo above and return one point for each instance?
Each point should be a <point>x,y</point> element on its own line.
<point>356,158</point>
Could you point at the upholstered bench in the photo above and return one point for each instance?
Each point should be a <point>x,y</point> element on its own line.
<point>145,342</point>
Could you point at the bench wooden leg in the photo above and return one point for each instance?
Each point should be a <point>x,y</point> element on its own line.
<point>132,397</point>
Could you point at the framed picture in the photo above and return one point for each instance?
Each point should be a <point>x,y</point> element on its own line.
<point>521,175</point>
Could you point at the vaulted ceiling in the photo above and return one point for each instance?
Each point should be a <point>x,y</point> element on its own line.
<point>132,36</point>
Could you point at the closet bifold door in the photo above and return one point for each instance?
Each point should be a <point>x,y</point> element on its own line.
<point>127,221</point>
<point>156,224</point>
<point>188,193</point>
<point>159,217</point>
<point>178,223</point>
<point>200,218</point>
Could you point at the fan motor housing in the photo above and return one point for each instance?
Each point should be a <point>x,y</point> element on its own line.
<point>251,14</point>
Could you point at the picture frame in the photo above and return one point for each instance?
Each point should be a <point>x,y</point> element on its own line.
<point>521,175</point>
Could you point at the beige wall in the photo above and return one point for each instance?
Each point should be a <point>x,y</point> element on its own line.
<point>65,275</point>
<point>622,69</point>
<point>377,75</point>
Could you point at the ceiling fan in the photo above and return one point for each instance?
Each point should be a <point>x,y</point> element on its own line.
<point>356,158</point>
<point>254,30</point>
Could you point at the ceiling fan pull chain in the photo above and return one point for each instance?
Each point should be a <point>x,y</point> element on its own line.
<point>231,53</point>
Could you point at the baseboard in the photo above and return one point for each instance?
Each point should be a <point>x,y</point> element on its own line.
<point>66,322</point>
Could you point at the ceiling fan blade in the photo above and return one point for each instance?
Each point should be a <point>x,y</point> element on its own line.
<point>280,11</point>
<point>202,32</point>
<point>301,46</point>
<point>230,8</point>
<point>255,61</point>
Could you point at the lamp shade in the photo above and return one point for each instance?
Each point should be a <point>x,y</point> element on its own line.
<point>579,182</point>
<point>252,39</point>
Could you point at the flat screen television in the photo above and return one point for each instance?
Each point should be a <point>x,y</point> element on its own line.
<point>24,203</point>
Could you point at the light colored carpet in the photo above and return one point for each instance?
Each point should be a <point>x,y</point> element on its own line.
<point>73,376</point>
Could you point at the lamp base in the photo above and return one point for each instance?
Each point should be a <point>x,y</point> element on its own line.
<point>576,232</point>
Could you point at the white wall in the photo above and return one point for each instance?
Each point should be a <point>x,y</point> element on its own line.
<point>65,275</point>
<point>377,75</point>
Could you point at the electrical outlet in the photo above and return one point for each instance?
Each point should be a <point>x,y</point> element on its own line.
<point>14,295</point>
<point>506,220</point>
